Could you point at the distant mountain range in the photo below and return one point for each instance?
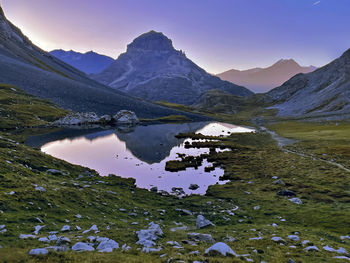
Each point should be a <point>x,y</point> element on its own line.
<point>325,91</point>
<point>39,73</point>
<point>261,80</point>
<point>89,62</point>
<point>152,69</point>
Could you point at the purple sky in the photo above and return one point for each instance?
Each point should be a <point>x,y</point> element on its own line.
<point>216,34</point>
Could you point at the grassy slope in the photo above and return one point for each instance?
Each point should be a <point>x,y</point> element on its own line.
<point>254,158</point>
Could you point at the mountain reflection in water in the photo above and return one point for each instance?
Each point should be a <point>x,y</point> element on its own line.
<point>140,153</point>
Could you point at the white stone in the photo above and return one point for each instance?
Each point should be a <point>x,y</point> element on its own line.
<point>40,189</point>
<point>277,239</point>
<point>311,248</point>
<point>221,248</point>
<point>37,229</point>
<point>44,239</point>
<point>293,237</point>
<point>81,246</point>
<point>107,246</point>
<point>203,222</point>
<point>24,236</point>
<point>38,251</point>
<point>296,200</point>
<point>65,228</point>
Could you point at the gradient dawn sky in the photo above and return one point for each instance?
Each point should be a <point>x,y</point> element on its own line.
<point>216,34</point>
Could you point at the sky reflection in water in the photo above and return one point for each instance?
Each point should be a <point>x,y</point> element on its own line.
<point>142,154</point>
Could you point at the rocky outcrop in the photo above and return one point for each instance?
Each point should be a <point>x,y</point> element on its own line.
<point>126,117</point>
<point>123,117</point>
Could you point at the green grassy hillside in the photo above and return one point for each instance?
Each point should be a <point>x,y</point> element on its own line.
<point>246,207</point>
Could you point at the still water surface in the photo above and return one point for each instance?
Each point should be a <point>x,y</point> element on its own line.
<point>140,153</point>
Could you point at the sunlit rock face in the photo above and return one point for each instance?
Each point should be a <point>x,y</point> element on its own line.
<point>152,69</point>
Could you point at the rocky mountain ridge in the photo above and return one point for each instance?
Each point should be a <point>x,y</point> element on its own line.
<point>152,69</point>
<point>325,91</point>
<point>264,79</point>
<point>89,62</point>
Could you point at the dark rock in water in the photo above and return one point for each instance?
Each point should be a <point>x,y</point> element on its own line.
<point>286,193</point>
<point>193,186</point>
<point>152,69</point>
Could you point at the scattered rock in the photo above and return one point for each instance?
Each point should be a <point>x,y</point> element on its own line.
<point>40,189</point>
<point>81,246</point>
<point>24,236</point>
<point>65,228</point>
<point>184,211</point>
<point>193,186</point>
<point>203,222</point>
<point>293,237</point>
<point>126,117</point>
<point>341,250</point>
<point>38,251</point>
<point>148,236</point>
<point>286,193</point>
<point>44,239</point>
<point>201,237</point>
<point>311,248</point>
<point>78,119</point>
<point>107,246</point>
<point>37,229</point>
<point>56,172</point>
<point>296,201</point>
<point>279,181</point>
<point>92,228</point>
<point>62,240</point>
<point>58,248</point>
<point>277,239</point>
<point>220,248</point>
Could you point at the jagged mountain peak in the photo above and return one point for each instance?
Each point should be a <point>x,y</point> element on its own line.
<point>151,41</point>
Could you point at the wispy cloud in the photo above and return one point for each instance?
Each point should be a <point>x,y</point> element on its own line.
<point>316,3</point>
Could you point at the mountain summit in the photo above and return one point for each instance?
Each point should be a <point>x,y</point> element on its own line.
<point>37,72</point>
<point>152,69</point>
<point>151,41</point>
<point>265,79</point>
<point>323,92</point>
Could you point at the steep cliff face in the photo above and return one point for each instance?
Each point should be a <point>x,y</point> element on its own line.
<point>152,69</point>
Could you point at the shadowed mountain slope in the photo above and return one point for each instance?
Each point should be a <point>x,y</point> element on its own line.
<point>37,72</point>
<point>152,69</point>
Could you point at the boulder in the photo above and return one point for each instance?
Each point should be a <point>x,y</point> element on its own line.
<point>296,201</point>
<point>220,248</point>
<point>193,186</point>
<point>65,228</point>
<point>126,117</point>
<point>38,251</point>
<point>201,237</point>
<point>107,245</point>
<point>311,248</point>
<point>81,246</point>
<point>203,222</point>
<point>294,237</point>
<point>78,119</point>
<point>148,236</point>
